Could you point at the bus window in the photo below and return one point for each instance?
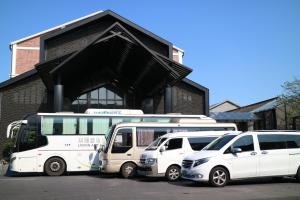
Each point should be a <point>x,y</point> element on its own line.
<point>83,126</point>
<point>100,126</point>
<point>69,125</point>
<point>47,125</point>
<point>156,119</point>
<point>116,120</point>
<point>147,135</point>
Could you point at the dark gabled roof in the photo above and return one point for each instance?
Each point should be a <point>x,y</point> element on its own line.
<point>18,78</point>
<point>196,85</point>
<point>218,104</point>
<point>103,53</point>
<point>253,106</point>
<point>101,15</point>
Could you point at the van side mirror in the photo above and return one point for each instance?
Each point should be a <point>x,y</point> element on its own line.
<point>235,150</point>
<point>162,149</point>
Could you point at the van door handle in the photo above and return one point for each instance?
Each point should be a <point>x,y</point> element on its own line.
<point>253,153</point>
<point>264,152</point>
<point>128,154</point>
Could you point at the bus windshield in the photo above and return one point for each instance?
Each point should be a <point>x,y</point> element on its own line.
<point>219,143</point>
<point>156,143</point>
<point>108,136</point>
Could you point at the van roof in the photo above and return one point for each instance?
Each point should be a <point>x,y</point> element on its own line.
<point>198,133</point>
<point>265,132</point>
<point>167,124</point>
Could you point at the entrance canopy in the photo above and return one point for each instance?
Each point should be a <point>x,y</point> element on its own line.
<point>117,57</point>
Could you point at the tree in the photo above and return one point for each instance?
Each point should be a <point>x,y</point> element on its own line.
<point>291,98</point>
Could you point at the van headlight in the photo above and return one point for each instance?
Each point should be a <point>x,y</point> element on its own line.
<point>150,161</point>
<point>200,161</point>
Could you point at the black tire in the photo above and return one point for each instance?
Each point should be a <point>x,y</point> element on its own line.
<point>128,170</point>
<point>55,166</point>
<point>298,175</point>
<point>173,173</point>
<point>218,177</point>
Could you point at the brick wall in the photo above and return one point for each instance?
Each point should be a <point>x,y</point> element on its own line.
<point>27,54</point>
<point>22,98</point>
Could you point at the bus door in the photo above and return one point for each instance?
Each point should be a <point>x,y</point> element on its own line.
<point>26,148</point>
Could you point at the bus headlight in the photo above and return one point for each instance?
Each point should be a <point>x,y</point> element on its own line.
<point>12,160</point>
<point>150,161</point>
<point>200,161</point>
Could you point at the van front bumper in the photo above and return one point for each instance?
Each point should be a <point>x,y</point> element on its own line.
<point>195,174</point>
<point>150,171</point>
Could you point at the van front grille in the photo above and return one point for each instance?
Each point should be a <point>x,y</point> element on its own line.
<point>142,161</point>
<point>187,163</point>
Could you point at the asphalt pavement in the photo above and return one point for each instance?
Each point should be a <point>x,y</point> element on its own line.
<point>111,187</point>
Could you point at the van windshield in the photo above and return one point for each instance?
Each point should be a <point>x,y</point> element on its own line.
<point>155,144</point>
<point>219,143</point>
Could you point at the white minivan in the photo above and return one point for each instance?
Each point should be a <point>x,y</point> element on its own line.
<point>245,155</point>
<point>163,157</point>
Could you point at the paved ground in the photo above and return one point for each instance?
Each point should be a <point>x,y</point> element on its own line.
<point>97,187</point>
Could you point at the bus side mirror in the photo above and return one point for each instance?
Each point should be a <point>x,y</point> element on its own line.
<point>95,147</point>
<point>162,149</point>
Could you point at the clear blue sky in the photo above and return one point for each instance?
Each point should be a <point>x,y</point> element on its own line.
<point>241,50</point>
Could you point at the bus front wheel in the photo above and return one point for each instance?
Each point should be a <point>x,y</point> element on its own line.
<point>55,166</point>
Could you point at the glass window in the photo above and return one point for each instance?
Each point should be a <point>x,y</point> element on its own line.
<point>220,142</point>
<point>123,141</point>
<point>147,135</point>
<point>69,125</point>
<point>83,126</point>
<point>47,125</point>
<point>175,143</point>
<point>269,142</point>
<point>28,138</point>
<point>198,143</point>
<point>293,141</point>
<point>245,143</point>
<point>100,126</point>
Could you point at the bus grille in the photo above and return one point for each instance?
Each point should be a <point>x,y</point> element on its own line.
<point>187,163</point>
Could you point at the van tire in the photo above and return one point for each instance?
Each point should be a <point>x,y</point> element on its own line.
<point>218,177</point>
<point>128,170</point>
<point>55,166</point>
<point>298,175</point>
<point>173,173</point>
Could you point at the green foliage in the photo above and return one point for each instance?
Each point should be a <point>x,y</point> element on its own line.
<point>291,97</point>
<point>8,148</point>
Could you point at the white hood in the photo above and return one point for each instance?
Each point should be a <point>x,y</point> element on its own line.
<point>149,154</point>
<point>201,154</point>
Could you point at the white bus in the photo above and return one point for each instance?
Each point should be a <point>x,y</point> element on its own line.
<point>66,142</point>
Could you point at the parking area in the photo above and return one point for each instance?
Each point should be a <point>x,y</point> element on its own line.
<point>111,187</point>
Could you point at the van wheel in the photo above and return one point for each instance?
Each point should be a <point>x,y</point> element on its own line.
<point>55,167</point>
<point>128,170</point>
<point>298,175</point>
<point>173,173</point>
<point>218,177</point>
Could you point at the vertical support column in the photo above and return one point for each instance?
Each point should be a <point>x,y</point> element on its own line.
<point>58,95</point>
<point>168,99</point>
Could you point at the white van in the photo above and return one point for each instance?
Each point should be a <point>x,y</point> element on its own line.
<point>164,156</point>
<point>125,142</point>
<point>245,155</point>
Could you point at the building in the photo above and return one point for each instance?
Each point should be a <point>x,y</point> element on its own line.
<point>98,61</point>
<point>269,114</point>
<point>223,106</point>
